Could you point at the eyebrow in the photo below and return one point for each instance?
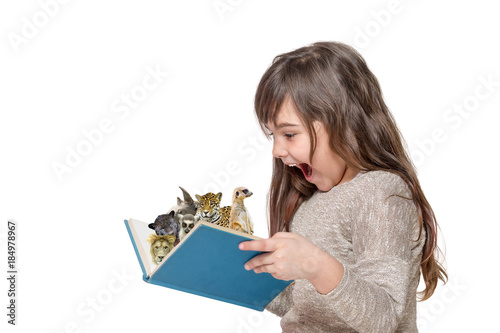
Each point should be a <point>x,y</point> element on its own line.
<point>282,125</point>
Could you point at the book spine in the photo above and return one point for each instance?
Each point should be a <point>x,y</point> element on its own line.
<point>136,250</point>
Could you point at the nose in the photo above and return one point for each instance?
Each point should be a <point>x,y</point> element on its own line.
<point>278,150</point>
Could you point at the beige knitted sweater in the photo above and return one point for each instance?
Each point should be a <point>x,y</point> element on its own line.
<point>374,236</point>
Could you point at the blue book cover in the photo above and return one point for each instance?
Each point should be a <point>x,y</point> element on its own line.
<point>207,262</point>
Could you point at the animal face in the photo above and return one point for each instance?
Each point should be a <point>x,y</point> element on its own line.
<point>208,205</point>
<point>165,225</point>
<point>241,193</point>
<point>187,222</point>
<point>160,249</point>
<point>183,210</point>
<point>160,246</point>
<point>186,206</point>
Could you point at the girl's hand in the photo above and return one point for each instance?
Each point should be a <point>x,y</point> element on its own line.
<point>291,257</point>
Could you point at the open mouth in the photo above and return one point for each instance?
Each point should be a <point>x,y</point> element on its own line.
<point>306,169</point>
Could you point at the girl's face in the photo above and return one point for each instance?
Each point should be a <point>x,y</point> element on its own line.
<point>292,145</point>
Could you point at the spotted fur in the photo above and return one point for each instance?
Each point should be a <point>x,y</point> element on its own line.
<point>209,209</point>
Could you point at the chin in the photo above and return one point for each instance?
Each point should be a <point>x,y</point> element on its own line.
<point>324,187</point>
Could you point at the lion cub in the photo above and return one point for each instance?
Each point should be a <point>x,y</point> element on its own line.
<point>160,246</point>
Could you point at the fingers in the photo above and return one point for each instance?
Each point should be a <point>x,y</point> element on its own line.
<point>265,269</point>
<point>262,245</point>
<point>271,260</point>
<point>259,262</point>
<point>284,235</point>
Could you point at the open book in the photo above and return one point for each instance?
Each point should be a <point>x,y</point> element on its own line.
<point>207,262</point>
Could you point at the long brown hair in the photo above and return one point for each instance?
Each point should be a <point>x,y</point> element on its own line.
<point>331,83</point>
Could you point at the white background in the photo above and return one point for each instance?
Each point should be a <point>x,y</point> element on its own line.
<point>65,69</point>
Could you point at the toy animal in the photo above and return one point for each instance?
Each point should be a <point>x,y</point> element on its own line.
<point>166,224</point>
<point>186,206</point>
<point>187,222</point>
<point>240,218</point>
<point>160,246</point>
<point>209,209</point>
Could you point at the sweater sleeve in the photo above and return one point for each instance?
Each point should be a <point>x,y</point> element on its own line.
<point>282,303</point>
<point>372,294</point>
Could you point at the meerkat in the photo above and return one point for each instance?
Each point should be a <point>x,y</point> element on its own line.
<point>240,219</point>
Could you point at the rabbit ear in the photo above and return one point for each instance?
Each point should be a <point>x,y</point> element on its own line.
<point>187,198</point>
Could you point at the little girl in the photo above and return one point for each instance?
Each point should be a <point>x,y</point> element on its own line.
<point>349,221</point>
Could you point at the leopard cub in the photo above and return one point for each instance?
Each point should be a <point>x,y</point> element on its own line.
<point>209,209</point>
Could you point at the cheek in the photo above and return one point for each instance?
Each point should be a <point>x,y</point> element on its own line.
<point>302,148</point>
<point>326,160</point>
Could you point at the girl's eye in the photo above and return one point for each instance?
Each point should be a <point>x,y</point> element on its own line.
<point>290,135</point>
